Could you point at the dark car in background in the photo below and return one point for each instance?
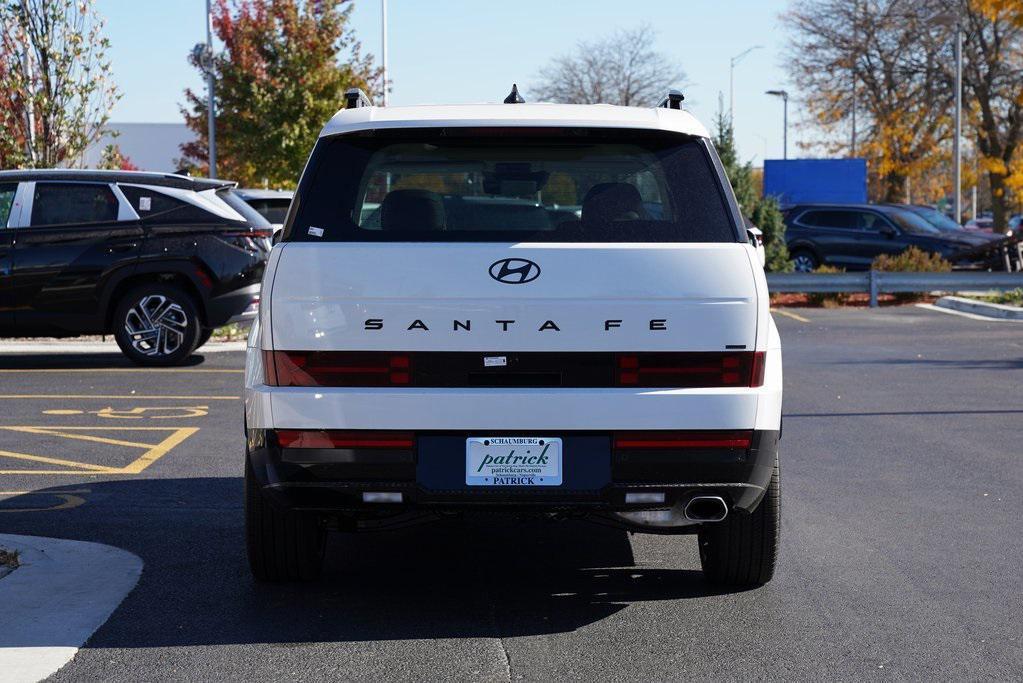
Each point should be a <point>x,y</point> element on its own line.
<point>851,236</point>
<point>946,224</point>
<point>271,204</point>
<point>156,260</point>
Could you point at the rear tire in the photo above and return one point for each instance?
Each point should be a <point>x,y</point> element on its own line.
<point>283,545</point>
<point>204,336</point>
<point>742,549</point>
<point>156,324</point>
<point>804,261</point>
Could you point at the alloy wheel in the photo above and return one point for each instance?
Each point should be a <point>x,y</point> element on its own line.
<point>803,263</point>
<point>156,325</point>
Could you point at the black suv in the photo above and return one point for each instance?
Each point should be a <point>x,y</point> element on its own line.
<point>849,236</point>
<point>157,260</point>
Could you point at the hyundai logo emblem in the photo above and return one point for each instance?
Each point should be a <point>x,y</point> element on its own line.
<point>514,271</point>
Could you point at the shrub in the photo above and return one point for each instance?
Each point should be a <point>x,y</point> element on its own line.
<point>912,260</point>
<point>828,299</point>
<point>768,218</point>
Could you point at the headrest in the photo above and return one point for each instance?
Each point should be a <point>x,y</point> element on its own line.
<point>412,210</point>
<point>607,202</point>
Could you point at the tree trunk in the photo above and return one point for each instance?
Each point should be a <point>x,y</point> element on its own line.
<point>894,185</point>
<point>999,201</point>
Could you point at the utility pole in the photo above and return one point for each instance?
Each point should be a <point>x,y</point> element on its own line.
<point>211,113</point>
<point>784,95</point>
<point>731,81</point>
<point>383,44</point>
<point>957,149</point>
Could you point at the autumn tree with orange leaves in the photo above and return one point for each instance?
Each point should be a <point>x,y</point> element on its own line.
<point>281,74</point>
<point>891,64</point>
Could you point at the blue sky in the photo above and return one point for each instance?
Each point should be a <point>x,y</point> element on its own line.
<point>472,50</point>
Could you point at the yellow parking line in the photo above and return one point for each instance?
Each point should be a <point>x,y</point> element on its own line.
<point>81,437</point>
<point>99,469</point>
<point>117,397</point>
<point>160,450</point>
<point>146,370</point>
<point>790,314</point>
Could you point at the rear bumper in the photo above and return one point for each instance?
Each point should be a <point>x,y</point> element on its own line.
<point>431,480</point>
<point>234,306</point>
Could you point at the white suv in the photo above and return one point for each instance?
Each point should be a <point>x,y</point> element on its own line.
<point>527,308</point>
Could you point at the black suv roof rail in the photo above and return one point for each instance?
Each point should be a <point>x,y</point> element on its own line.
<point>355,98</point>
<point>103,176</point>
<point>672,100</point>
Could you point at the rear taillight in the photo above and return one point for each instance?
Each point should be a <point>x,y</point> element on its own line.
<point>682,440</point>
<point>328,438</point>
<point>337,369</point>
<point>690,370</point>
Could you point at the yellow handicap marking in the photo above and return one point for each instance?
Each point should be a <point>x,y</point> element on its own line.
<point>68,498</point>
<point>138,413</point>
<point>151,452</point>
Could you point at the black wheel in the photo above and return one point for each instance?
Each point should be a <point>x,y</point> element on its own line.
<point>204,336</point>
<point>156,324</point>
<point>742,550</point>
<point>282,545</point>
<point>804,261</point>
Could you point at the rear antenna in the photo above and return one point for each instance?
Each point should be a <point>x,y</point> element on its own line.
<point>514,97</point>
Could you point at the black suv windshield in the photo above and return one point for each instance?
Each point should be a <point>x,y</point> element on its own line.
<point>495,185</point>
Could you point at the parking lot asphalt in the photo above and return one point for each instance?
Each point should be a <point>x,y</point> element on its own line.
<point>902,462</point>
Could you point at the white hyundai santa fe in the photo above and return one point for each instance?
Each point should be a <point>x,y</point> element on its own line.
<point>535,309</point>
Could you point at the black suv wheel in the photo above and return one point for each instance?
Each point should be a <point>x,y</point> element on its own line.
<point>282,545</point>
<point>156,324</point>
<point>742,550</point>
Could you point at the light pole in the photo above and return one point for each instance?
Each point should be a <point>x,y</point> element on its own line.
<point>784,95</point>
<point>731,80</point>
<point>383,45</point>
<point>952,20</point>
<point>202,55</point>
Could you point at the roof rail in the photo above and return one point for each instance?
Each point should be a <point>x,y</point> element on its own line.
<point>673,100</point>
<point>355,98</point>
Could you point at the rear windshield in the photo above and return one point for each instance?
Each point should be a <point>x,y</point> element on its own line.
<point>509,185</point>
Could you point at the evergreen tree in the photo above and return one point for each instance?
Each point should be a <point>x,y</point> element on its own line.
<point>762,211</point>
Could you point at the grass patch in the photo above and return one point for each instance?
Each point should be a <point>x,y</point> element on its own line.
<point>1011,298</point>
<point>232,332</point>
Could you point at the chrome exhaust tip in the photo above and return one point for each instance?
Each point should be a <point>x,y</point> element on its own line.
<point>706,509</point>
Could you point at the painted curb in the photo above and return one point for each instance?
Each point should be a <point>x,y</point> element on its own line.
<point>61,592</point>
<point>989,310</point>
<point>102,347</point>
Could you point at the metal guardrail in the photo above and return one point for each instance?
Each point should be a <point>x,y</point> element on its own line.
<point>874,282</point>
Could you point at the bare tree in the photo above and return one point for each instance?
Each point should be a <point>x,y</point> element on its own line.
<point>879,61</point>
<point>622,68</point>
<point>56,79</point>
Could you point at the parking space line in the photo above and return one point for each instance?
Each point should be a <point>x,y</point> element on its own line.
<point>67,497</point>
<point>153,452</point>
<point>790,314</point>
<point>81,437</point>
<point>98,469</point>
<point>117,397</point>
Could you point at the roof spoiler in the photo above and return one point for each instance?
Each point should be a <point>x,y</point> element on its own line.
<point>672,100</point>
<point>355,98</point>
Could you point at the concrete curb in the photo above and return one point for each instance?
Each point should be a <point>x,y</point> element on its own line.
<point>101,347</point>
<point>61,592</point>
<point>989,310</point>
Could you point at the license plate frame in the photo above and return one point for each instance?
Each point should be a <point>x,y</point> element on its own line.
<point>513,461</point>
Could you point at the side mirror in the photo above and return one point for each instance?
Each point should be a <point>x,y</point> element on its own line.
<point>756,239</point>
<point>888,231</point>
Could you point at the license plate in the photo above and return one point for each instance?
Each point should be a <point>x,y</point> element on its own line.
<point>512,461</point>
